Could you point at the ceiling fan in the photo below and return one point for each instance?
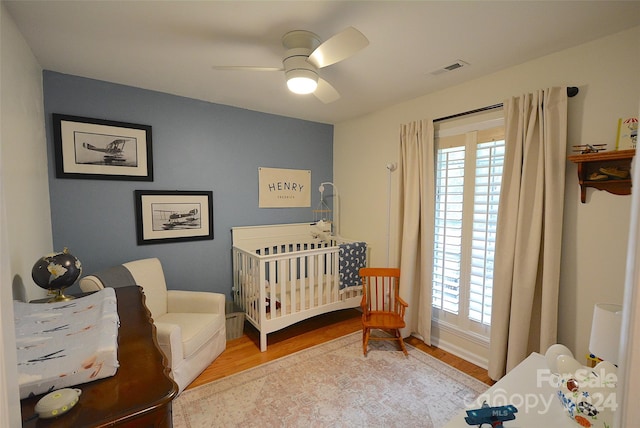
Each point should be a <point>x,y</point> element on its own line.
<point>305,54</point>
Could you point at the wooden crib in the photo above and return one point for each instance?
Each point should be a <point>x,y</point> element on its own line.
<point>283,274</point>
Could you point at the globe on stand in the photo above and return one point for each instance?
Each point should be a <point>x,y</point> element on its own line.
<point>55,272</point>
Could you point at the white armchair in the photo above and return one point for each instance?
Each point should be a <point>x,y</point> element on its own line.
<point>190,324</point>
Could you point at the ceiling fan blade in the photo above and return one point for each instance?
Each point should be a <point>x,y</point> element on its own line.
<point>340,46</point>
<point>325,92</point>
<point>245,68</point>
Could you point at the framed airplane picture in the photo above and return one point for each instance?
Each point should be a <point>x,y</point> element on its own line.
<point>101,149</point>
<point>164,216</point>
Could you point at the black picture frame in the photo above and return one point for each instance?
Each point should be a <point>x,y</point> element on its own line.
<point>98,149</point>
<point>165,216</point>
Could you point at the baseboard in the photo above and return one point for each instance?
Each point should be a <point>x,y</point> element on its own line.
<point>460,352</point>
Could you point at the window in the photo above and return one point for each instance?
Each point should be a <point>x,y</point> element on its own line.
<point>468,178</point>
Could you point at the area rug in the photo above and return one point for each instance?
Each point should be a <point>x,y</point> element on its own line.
<point>333,385</point>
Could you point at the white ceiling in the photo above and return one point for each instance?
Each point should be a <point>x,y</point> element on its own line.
<point>171,46</point>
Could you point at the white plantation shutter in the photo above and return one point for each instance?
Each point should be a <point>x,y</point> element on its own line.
<point>468,179</point>
<point>489,162</point>
<point>448,228</point>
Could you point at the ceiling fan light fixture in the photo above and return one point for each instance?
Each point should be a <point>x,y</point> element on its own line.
<point>305,54</point>
<point>302,81</point>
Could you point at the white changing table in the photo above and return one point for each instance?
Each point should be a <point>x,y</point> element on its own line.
<point>537,403</point>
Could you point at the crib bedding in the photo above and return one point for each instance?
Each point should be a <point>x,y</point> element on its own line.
<point>353,257</point>
<point>309,303</point>
<point>328,284</point>
<point>292,299</point>
<point>298,275</point>
<point>274,292</point>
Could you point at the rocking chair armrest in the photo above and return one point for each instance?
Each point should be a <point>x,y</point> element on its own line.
<point>363,304</point>
<point>402,306</point>
<point>402,302</point>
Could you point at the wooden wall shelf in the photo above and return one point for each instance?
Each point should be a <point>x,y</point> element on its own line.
<point>589,163</point>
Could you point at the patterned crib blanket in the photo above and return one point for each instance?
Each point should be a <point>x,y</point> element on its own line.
<point>62,344</point>
<point>353,256</point>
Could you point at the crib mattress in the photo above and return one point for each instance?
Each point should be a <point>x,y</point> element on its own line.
<point>311,298</point>
<point>68,343</point>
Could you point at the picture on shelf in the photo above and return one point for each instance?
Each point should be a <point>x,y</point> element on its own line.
<point>627,136</point>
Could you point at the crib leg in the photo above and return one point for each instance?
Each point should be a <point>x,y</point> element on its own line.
<point>263,342</point>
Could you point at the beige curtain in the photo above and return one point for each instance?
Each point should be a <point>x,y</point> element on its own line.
<point>529,234</point>
<point>416,224</point>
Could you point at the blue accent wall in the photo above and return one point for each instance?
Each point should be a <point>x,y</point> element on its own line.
<point>196,146</point>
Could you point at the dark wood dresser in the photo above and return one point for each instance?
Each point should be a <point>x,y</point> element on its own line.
<point>141,391</point>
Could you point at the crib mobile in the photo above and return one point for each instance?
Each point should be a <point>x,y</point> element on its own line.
<point>322,215</point>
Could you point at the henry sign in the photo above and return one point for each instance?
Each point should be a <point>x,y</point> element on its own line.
<point>284,188</point>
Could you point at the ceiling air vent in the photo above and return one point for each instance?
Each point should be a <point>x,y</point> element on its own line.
<point>445,69</point>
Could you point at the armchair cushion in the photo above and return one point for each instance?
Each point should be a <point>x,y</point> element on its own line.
<point>195,302</point>
<point>149,275</point>
<point>196,328</point>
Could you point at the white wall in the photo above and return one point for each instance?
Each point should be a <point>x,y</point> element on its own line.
<point>607,71</point>
<point>25,216</point>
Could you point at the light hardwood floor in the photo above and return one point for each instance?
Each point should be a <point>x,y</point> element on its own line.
<point>244,352</point>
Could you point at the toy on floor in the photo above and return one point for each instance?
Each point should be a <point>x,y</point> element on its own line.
<point>493,416</point>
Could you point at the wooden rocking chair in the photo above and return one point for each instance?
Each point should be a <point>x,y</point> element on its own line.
<point>382,307</point>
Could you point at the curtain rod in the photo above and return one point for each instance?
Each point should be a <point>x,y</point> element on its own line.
<point>572,91</point>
